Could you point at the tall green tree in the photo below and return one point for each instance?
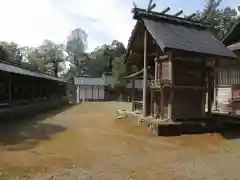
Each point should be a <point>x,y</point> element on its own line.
<point>98,62</point>
<point>4,56</point>
<point>101,59</point>
<point>220,19</point>
<point>76,47</point>
<point>119,71</point>
<point>12,52</point>
<point>52,55</point>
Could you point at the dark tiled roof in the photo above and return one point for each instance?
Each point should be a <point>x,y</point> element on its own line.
<point>88,81</point>
<point>131,39</point>
<point>181,37</point>
<point>18,70</point>
<point>179,33</point>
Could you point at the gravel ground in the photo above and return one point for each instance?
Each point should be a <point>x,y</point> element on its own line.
<point>87,142</point>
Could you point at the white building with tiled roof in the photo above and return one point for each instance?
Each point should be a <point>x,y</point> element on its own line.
<point>90,89</point>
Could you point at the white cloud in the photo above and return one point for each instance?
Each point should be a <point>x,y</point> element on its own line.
<point>112,19</point>
<point>29,22</point>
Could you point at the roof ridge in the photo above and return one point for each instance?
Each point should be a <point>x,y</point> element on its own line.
<point>43,75</point>
<point>15,65</point>
<point>139,13</point>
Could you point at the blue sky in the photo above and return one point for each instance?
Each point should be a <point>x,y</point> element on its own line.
<point>29,22</point>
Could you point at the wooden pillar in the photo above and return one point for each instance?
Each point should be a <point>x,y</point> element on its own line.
<point>171,90</point>
<point>211,67</point>
<point>162,93</point>
<point>156,69</point>
<point>210,88</point>
<point>145,77</point>
<point>215,89</point>
<point>10,89</point>
<point>156,108</point>
<point>133,94</point>
<point>77,94</point>
<point>152,103</point>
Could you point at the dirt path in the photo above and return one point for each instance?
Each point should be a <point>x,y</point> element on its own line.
<point>85,142</point>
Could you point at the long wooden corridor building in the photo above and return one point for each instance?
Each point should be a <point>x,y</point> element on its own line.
<point>181,54</point>
<point>23,91</point>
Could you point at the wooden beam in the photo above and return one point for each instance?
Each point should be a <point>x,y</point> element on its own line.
<point>152,54</point>
<point>192,59</point>
<point>165,10</point>
<point>189,87</point>
<point>145,76</point>
<point>152,7</point>
<point>134,5</point>
<point>178,13</point>
<point>149,5</point>
<point>164,57</point>
<point>191,16</point>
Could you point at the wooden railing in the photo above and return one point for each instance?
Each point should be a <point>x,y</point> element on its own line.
<point>156,83</point>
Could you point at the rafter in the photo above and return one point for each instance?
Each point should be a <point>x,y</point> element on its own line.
<point>165,10</point>
<point>149,5</point>
<point>191,16</point>
<point>134,5</point>
<point>178,13</point>
<point>152,7</point>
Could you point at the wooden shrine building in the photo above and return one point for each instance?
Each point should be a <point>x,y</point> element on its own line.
<point>182,55</point>
<point>227,90</point>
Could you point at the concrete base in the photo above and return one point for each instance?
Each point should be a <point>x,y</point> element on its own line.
<point>216,124</point>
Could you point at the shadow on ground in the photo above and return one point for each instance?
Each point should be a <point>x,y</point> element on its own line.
<point>22,134</point>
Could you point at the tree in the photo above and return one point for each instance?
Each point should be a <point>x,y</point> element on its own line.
<point>98,62</point>
<point>211,9</point>
<point>36,60</point>
<point>116,49</point>
<point>119,71</point>
<point>11,52</point>
<point>49,56</point>
<point>4,56</point>
<point>76,46</point>
<point>101,58</point>
<point>220,20</point>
